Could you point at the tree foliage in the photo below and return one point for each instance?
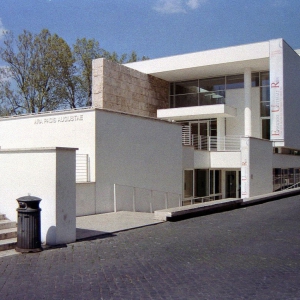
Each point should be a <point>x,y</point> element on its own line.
<point>43,73</point>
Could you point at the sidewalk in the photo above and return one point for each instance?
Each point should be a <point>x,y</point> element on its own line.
<point>109,223</point>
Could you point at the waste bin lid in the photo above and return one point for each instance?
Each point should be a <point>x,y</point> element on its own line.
<point>29,199</point>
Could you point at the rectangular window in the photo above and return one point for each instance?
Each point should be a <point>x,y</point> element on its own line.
<point>265,109</point>
<point>186,87</point>
<point>188,183</point>
<point>212,84</point>
<point>266,129</point>
<point>235,82</point>
<point>264,79</point>
<point>254,79</point>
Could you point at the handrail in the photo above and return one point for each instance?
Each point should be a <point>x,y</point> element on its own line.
<point>152,191</point>
<point>212,143</point>
<point>296,185</point>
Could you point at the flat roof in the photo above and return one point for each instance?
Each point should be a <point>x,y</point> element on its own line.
<point>210,63</point>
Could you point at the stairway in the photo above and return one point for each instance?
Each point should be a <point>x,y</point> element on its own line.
<point>8,233</point>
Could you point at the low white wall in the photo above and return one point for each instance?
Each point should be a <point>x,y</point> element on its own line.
<point>74,128</point>
<point>47,173</point>
<point>137,152</point>
<point>260,170</point>
<point>85,198</point>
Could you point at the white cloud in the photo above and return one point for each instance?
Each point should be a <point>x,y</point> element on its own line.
<point>193,4</point>
<point>2,29</point>
<point>176,6</point>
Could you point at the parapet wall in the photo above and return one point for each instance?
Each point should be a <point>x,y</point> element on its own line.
<point>120,88</point>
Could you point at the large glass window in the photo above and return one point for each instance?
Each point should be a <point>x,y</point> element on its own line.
<point>235,82</point>
<point>186,87</point>
<point>255,79</point>
<point>188,183</point>
<point>215,182</point>
<point>210,91</point>
<point>264,79</point>
<point>212,84</point>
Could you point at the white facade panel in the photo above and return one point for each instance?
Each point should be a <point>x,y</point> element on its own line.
<point>225,160</point>
<point>136,152</point>
<point>235,98</point>
<point>260,167</point>
<point>74,129</point>
<point>291,92</point>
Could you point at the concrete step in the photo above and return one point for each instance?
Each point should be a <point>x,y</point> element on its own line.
<point>8,233</point>
<point>8,244</point>
<point>4,224</point>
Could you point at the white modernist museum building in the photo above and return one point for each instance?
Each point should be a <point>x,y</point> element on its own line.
<point>161,133</point>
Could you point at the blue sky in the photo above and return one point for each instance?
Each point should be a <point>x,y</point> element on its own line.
<point>157,28</point>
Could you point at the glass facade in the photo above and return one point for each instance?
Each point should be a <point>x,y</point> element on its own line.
<point>285,178</point>
<point>210,91</point>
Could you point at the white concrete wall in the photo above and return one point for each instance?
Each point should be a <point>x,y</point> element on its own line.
<point>235,98</point>
<point>260,167</point>
<point>74,129</point>
<point>188,157</point>
<point>49,174</point>
<point>285,161</point>
<point>138,152</point>
<point>291,94</point>
<point>85,198</point>
<point>201,159</point>
<point>225,160</point>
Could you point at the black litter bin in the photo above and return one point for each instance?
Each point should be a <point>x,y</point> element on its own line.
<point>29,225</point>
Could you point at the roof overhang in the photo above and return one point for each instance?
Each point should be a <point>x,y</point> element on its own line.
<point>211,63</point>
<point>196,112</point>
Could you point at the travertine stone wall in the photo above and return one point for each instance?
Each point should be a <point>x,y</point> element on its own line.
<point>120,88</point>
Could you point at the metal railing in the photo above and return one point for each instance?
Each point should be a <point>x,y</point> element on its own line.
<point>213,143</point>
<point>285,182</point>
<point>82,168</point>
<point>132,198</point>
<point>195,200</point>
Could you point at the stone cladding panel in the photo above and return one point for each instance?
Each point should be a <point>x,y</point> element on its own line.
<point>120,88</point>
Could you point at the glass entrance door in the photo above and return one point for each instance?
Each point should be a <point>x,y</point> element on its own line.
<point>230,184</point>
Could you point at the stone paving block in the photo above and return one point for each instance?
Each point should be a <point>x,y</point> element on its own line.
<point>249,253</point>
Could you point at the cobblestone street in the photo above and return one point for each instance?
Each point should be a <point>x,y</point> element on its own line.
<point>249,253</point>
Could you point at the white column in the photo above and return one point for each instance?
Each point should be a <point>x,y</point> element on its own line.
<point>247,110</point>
<point>221,133</point>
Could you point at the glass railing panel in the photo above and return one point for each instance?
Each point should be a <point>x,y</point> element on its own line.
<point>197,99</point>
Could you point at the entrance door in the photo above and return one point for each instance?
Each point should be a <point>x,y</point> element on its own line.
<point>230,184</point>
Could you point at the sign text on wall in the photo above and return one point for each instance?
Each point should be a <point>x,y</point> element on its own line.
<point>62,119</point>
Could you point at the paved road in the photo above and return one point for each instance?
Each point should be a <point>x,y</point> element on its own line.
<point>251,253</point>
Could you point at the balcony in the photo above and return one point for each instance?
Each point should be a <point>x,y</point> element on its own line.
<point>212,143</point>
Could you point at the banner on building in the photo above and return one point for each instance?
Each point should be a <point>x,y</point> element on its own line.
<point>276,89</point>
<point>245,168</point>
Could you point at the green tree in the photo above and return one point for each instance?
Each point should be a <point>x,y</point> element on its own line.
<point>84,52</point>
<point>35,78</point>
<point>42,73</point>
